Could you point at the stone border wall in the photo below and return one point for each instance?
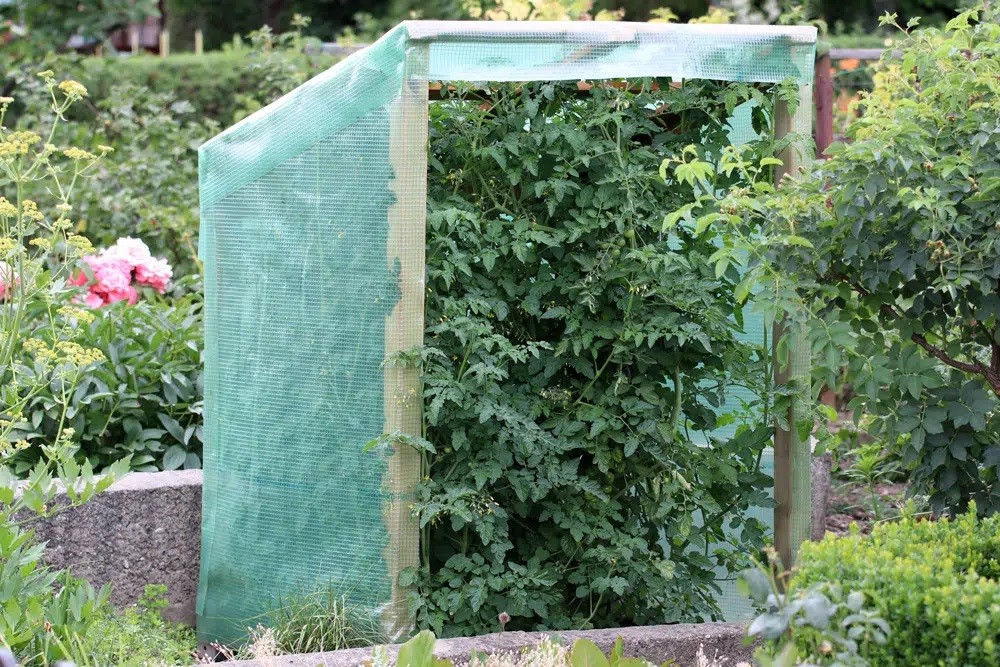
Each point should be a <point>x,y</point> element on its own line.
<point>144,529</point>
<point>656,643</point>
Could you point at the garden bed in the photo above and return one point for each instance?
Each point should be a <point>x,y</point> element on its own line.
<point>147,529</point>
<point>655,643</point>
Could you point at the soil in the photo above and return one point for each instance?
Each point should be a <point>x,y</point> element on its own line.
<point>849,503</point>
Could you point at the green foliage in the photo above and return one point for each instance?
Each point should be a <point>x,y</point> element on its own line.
<point>219,86</point>
<point>418,651</point>
<point>148,186</point>
<point>279,62</point>
<point>138,636</point>
<point>211,83</point>
<point>143,401</point>
<point>576,361</point>
<point>55,21</point>
<point>818,625</point>
<point>871,466</point>
<point>221,19</point>
<point>860,16</point>
<point>896,241</point>
<point>44,610</point>
<point>934,582</point>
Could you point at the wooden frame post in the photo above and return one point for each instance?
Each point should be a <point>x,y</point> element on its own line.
<point>404,328</point>
<point>164,43</point>
<point>823,102</point>
<point>792,454</point>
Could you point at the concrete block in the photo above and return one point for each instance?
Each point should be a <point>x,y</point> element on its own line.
<point>656,643</point>
<point>146,529</point>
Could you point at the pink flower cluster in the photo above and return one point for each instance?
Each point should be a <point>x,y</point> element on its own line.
<point>8,281</point>
<point>118,269</point>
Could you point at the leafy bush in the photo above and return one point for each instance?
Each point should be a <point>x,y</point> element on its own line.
<point>42,610</point>
<point>217,85</point>
<point>144,397</point>
<point>54,21</point>
<point>576,360</point>
<point>834,629</point>
<point>934,582</point>
<point>149,186</point>
<point>155,117</point>
<point>144,401</point>
<point>897,240</point>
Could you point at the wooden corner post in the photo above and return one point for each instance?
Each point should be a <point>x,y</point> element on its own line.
<point>792,454</point>
<point>404,328</point>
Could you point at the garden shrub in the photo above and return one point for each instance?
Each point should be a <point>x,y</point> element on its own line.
<point>575,357</point>
<point>143,401</point>
<point>896,252</point>
<point>219,85</point>
<point>209,82</point>
<point>149,186</point>
<point>934,582</point>
<point>118,380</point>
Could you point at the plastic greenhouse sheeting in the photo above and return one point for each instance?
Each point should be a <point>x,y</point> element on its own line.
<point>312,238</point>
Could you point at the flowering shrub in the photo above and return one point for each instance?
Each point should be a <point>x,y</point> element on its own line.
<point>116,271</point>
<point>124,374</point>
<point>144,400</point>
<point>40,353</point>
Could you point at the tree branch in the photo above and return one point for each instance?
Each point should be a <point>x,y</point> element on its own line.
<point>922,341</point>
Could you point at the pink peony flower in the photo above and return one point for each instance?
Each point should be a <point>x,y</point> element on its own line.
<point>116,267</point>
<point>129,249</point>
<point>110,273</point>
<point>8,281</point>
<point>94,300</point>
<point>154,272</point>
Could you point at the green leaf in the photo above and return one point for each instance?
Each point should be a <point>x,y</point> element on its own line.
<point>173,427</point>
<point>617,651</point>
<point>585,653</point>
<point>174,457</point>
<point>418,651</point>
<point>754,584</point>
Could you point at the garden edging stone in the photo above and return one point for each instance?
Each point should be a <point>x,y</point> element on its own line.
<point>145,529</point>
<point>656,643</point>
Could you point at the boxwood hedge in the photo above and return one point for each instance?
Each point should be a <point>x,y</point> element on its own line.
<point>935,582</point>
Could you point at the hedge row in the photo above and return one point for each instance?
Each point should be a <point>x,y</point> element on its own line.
<point>214,83</point>
<point>935,582</point>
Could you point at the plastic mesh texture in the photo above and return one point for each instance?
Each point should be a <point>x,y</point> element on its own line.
<point>313,243</point>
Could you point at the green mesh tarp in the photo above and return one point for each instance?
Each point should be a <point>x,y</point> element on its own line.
<point>312,238</point>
